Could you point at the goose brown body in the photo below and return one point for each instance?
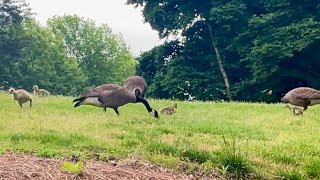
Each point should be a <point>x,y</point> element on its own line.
<point>90,97</point>
<point>137,85</point>
<point>117,98</point>
<point>111,96</point>
<point>303,97</point>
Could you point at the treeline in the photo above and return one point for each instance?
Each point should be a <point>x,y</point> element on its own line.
<point>67,56</point>
<point>231,49</point>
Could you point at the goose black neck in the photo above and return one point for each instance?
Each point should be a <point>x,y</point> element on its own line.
<point>145,103</point>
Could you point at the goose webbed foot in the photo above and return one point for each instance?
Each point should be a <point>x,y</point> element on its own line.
<point>154,113</point>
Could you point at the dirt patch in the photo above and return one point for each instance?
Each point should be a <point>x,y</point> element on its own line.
<point>18,167</point>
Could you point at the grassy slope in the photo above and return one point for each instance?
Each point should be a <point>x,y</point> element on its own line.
<point>272,139</point>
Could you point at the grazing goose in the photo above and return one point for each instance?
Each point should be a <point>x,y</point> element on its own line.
<point>85,99</point>
<point>303,97</point>
<point>137,85</point>
<point>112,96</point>
<point>21,96</point>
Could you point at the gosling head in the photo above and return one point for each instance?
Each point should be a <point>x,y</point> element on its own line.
<point>287,106</point>
<point>175,106</point>
<point>35,87</point>
<point>11,90</point>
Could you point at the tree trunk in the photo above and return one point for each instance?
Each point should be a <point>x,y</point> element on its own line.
<point>219,59</point>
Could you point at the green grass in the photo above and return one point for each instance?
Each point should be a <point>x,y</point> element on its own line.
<point>238,138</point>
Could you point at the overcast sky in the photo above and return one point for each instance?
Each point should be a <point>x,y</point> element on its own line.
<point>124,19</point>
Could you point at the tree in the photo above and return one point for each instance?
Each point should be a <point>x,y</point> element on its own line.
<point>256,44</point>
<point>12,16</point>
<point>279,44</point>
<point>153,66</point>
<point>13,12</point>
<point>45,63</point>
<point>103,56</point>
<point>169,17</point>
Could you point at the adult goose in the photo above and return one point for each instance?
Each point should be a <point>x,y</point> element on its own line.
<point>303,97</point>
<point>112,96</point>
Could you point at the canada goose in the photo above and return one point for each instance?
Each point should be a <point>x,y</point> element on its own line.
<point>169,110</point>
<point>303,97</point>
<point>84,99</point>
<point>295,109</point>
<point>190,98</point>
<point>137,85</point>
<point>269,93</point>
<point>40,92</point>
<point>21,96</point>
<point>112,96</point>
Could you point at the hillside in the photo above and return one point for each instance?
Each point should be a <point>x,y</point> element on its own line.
<point>248,139</point>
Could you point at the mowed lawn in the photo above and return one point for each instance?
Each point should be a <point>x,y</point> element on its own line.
<point>270,142</point>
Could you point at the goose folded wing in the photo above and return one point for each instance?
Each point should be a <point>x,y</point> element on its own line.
<point>307,94</point>
<point>99,89</point>
<point>302,97</point>
<point>120,97</point>
<point>104,96</point>
<point>314,95</point>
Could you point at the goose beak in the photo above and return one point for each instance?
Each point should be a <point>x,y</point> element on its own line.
<point>154,113</point>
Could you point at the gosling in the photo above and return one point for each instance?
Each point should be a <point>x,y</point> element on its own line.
<point>295,109</point>
<point>40,92</point>
<point>21,96</point>
<point>169,110</point>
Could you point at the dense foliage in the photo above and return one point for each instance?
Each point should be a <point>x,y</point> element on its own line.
<point>215,49</point>
<point>67,56</point>
<point>261,44</point>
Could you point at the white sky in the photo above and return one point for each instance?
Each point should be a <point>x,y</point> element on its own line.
<point>121,18</point>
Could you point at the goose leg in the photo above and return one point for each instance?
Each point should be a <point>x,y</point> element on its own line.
<point>153,112</point>
<point>31,103</point>
<point>305,108</point>
<point>105,108</point>
<point>20,104</point>
<point>306,104</point>
<point>116,110</point>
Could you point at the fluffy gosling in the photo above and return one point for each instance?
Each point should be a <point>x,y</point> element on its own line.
<point>21,96</point>
<point>169,110</point>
